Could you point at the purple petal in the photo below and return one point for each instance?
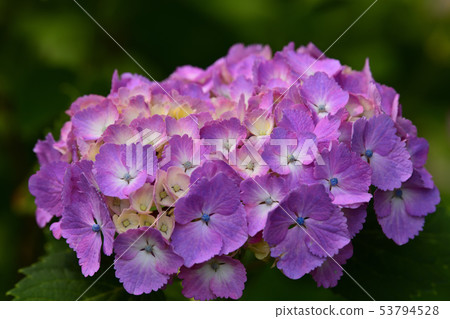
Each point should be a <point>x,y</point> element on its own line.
<point>295,259</point>
<point>355,219</point>
<point>418,149</point>
<point>144,260</point>
<point>42,217</point>
<point>329,273</point>
<point>399,225</point>
<point>210,169</point>
<point>221,277</point>
<point>90,123</point>
<point>45,151</point>
<point>232,229</point>
<point>196,242</point>
<point>388,172</point>
<point>47,186</point>
<point>229,279</point>
<point>327,237</point>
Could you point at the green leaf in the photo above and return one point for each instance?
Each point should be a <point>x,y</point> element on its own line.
<point>57,276</point>
<point>418,270</point>
<point>267,283</point>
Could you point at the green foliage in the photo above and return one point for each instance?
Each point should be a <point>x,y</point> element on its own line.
<point>418,270</point>
<point>57,276</point>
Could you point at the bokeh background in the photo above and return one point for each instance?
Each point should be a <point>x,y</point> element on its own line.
<point>51,53</point>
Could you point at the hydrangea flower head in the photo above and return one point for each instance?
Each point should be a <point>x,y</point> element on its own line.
<point>278,154</point>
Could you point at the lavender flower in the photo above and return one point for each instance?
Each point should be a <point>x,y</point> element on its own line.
<point>304,230</point>
<point>220,277</point>
<point>144,261</point>
<point>210,220</point>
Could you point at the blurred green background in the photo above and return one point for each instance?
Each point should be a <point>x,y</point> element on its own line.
<point>51,53</point>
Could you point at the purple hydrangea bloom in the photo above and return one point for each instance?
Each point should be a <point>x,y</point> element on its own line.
<point>274,73</point>
<point>304,229</point>
<point>184,152</point>
<point>401,212</point>
<point>261,195</point>
<point>376,141</point>
<point>323,95</point>
<point>47,187</point>
<point>231,132</point>
<point>90,123</point>
<point>84,222</point>
<point>210,220</point>
<point>144,260</point>
<point>220,277</point>
<point>287,152</point>
<point>116,177</point>
<point>345,176</point>
<point>45,151</point>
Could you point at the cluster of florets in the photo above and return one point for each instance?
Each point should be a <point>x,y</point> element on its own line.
<point>275,154</point>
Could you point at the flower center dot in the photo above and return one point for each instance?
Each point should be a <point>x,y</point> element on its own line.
<point>176,188</point>
<point>164,228</point>
<point>333,181</point>
<point>163,195</point>
<point>215,266</point>
<point>188,165</point>
<point>291,159</point>
<point>148,248</point>
<point>226,145</point>
<point>250,166</point>
<point>206,218</point>
<point>143,207</point>
<point>398,193</point>
<point>96,228</point>
<point>368,153</point>
<point>127,177</point>
<point>300,221</point>
<point>321,108</point>
<point>269,201</point>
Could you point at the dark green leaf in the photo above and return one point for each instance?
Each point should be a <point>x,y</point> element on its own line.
<point>418,270</point>
<point>57,276</point>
